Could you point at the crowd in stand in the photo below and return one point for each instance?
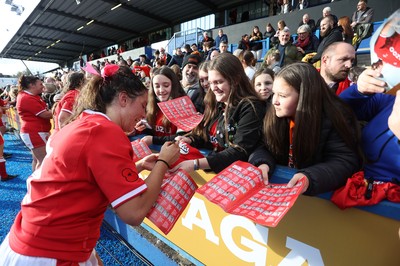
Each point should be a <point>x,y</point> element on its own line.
<point>310,124</point>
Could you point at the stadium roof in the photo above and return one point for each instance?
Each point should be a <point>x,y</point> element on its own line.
<point>50,33</point>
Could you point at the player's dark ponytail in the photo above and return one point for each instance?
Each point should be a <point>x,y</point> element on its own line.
<point>100,91</point>
<point>24,81</point>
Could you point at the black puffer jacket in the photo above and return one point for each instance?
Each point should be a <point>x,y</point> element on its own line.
<point>334,36</point>
<point>245,131</point>
<point>330,167</point>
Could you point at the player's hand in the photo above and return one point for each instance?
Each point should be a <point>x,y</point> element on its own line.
<point>147,163</point>
<point>148,140</point>
<point>169,152</point>
<point>296,178</point>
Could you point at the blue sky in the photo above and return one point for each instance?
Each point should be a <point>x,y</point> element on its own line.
<point>11,21</point>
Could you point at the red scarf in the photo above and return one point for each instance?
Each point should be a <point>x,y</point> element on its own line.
<point>303,43</point>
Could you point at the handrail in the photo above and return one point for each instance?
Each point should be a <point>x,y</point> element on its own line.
<point>184,34</point>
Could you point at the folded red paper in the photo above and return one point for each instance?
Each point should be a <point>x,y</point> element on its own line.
<point>177,190</point>
<point>181,112</point>
<point>239,189</point>
<point>140,150</point>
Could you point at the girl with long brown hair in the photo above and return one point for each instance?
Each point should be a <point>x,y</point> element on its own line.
<point>309,128</point>
<point>165,86</point>
<point>231,125</point>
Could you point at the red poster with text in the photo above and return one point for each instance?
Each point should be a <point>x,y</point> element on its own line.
<point>239,189</point>
<point>176,191</point>
<point>181,112</point>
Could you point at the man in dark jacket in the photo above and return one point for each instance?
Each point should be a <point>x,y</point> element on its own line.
<point>329,34</point>
<point>327,11</point>
<point>308,21</point>
<point>362,21</point>
<point>336,61</point>
<point>363,14</point>
<point>177,58</point>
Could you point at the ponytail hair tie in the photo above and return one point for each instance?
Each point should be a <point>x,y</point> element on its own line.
<point>107,71</point>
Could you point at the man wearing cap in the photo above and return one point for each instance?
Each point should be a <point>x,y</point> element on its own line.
<point>190,80</point>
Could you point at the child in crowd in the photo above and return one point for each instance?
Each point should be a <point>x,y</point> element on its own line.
<point>203,76</point>
<point>230,126</point>
<point>281,24</point>
<point>165,86</point>
<point>309,129</point>
<point>248,63</point>
<point>256,46</point>
<point>262,83</point>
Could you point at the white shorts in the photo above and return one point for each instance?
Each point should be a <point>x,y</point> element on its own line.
<point>10,258</point>
<point>35,140</point>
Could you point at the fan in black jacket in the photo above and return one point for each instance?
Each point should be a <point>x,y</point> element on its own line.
<point>232,125</point>
<point>330,33</point>
<point>310,129</point>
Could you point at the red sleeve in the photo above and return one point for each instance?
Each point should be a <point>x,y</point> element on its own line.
<point>113,167</point>
<point>33,104</point>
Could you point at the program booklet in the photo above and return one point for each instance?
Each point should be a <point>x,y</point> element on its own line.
<point>176,191</point>
<point>181,112</point>
<point>239,189</point>
<point>140,149</point>
<point>385,51</point>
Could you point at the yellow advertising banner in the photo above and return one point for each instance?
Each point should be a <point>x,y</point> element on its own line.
<point>314,232</point>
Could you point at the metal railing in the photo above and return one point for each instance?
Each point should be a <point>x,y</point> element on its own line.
<point>179,39</point>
